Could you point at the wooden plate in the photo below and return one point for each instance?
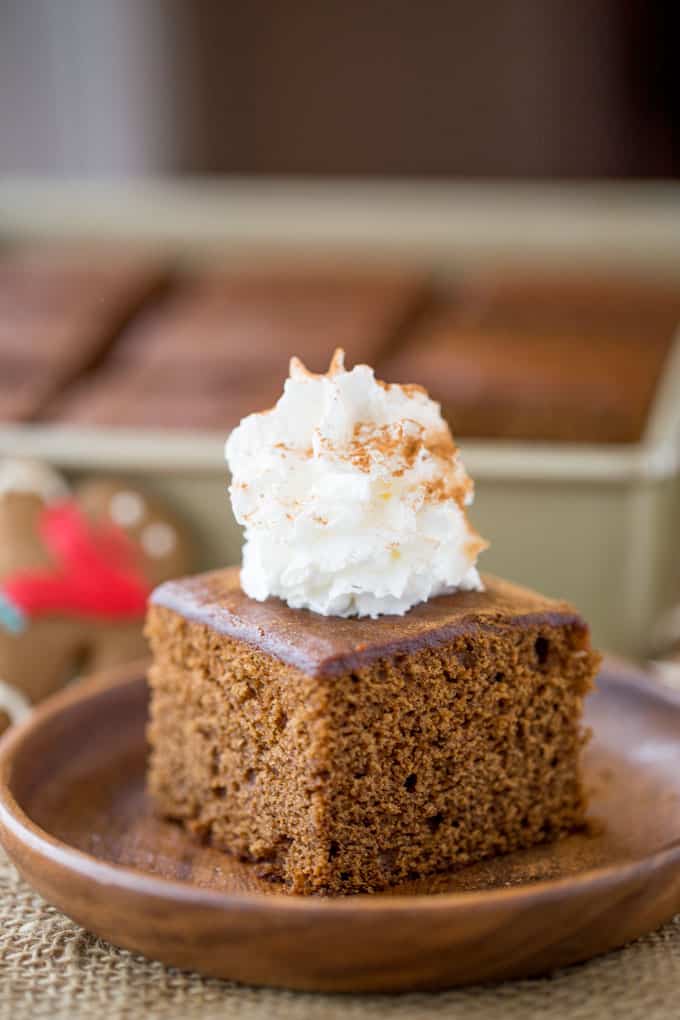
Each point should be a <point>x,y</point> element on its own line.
<point>75,819</point>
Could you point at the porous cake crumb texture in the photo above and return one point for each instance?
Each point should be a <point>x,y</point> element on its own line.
<point>411,764</point>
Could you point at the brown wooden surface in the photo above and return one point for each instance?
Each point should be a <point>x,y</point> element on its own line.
<point>75,818</point>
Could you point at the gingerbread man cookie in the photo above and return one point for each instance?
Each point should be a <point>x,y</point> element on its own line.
<point>76,569</point>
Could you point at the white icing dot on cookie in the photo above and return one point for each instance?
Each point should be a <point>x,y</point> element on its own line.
<point>158,539</point>
<point>126,508</point>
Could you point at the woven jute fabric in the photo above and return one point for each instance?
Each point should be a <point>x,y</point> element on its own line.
<point>52,968</point>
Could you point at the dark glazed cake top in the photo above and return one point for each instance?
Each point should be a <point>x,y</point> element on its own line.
<point>330,645</point>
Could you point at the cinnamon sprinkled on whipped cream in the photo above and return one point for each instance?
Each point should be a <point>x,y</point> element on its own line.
<point>352,495</point>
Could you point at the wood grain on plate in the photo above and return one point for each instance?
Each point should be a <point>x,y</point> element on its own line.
<point>75,819</point>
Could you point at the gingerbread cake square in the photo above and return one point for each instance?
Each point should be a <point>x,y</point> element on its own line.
<point>345,755</point>
<point>215,347</point>
<point>61,307</point>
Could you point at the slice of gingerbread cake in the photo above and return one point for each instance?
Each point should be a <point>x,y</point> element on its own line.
<point>357,706</point>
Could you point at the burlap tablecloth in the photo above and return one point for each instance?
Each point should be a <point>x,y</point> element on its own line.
<point>49,967</point>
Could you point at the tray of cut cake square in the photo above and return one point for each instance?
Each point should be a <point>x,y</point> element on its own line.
<point>139,324</point>
<point>356,762</point>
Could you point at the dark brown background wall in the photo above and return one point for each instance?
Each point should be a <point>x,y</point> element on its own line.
<point>492,87</point>
<point>530,88</point>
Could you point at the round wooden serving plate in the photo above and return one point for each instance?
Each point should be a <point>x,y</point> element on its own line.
<point>75,819</point>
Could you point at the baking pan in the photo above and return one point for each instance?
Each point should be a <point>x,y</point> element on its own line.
<point>594,524</point>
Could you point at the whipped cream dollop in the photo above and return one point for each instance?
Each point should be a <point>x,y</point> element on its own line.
<point>352,495</point>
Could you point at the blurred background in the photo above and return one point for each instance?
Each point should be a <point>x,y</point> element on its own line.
<point>481,197</point>
<point>533,88</point>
